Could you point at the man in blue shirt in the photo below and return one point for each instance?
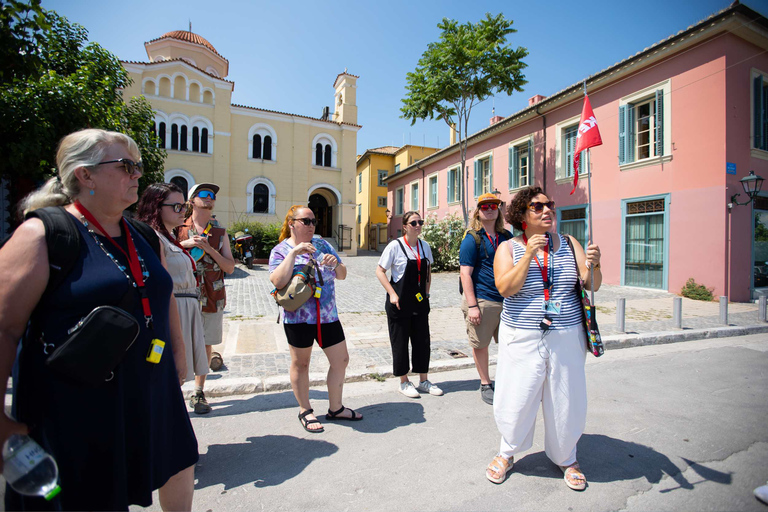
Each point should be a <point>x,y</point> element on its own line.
<point>482,303</point>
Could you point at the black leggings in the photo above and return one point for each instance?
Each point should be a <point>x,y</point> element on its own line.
<point>415,327</point>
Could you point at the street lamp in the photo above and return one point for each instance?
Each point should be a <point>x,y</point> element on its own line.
<point>752,185</point>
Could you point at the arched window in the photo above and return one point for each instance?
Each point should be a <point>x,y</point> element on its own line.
<point>174,136</point>
<point>327,156</point>
<point>196,139</point>
<point>182,184</point>
<point>183,145</point>
<point>260,198</point>
<point>257,146</point>
<point>267,148</point>
<point>319,154</point>
<point>161,136</point>
<point>204,140</point>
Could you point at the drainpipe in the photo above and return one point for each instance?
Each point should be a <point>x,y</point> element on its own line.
<point>422,206</point>
<point>544,167</point>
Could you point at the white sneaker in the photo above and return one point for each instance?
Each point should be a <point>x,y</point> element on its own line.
<point>427,387</point>
<point>408,390</point>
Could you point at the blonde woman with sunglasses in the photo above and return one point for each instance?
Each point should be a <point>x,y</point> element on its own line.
<point>542,345</point>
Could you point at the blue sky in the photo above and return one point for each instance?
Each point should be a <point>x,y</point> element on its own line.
<point>285,55</point>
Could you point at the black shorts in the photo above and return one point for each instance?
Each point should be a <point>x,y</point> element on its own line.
<point>303,335</point>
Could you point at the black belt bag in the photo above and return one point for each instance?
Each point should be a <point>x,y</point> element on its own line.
<point>95,346</point>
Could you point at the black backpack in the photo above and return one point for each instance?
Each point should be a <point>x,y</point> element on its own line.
<point>63,240</point>
<point>504,235</point>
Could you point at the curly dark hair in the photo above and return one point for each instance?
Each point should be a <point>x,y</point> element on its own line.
<point>150,206</point>
<point>519,205</point>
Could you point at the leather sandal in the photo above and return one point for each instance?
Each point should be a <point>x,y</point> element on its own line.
<point>305,422</point>
<point>573,477</point>
<point>334,415</point>
<point>498,469</point>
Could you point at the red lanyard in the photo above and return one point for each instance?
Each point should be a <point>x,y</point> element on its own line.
<point>175,242</point>
<point>544,269</point>
<point>417,254</point>
<point>491,240</point>
<point>132,255</point>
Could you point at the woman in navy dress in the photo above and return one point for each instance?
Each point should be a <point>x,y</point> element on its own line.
<point>117,442</point>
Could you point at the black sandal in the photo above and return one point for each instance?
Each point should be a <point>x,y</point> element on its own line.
<point>304,422</point>
<point>335,415</point>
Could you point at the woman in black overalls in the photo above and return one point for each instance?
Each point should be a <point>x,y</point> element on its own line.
<point>407,304</point>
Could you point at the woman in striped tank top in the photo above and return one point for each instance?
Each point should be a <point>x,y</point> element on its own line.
<point>542,345</point>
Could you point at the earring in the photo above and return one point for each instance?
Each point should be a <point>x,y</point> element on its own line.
<point>525,225</point>
<point>92,192</point>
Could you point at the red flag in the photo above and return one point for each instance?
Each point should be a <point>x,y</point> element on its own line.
<point>588,137</point>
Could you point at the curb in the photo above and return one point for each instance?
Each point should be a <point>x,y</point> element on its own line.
<point>253,385</point>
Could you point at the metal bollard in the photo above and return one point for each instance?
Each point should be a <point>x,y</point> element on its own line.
<point>761,304</point>
<point>620,314</point>
<point>677,312</point>
<point>724,310</point>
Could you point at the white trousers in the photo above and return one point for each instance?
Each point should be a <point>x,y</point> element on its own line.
<point>530,371</point>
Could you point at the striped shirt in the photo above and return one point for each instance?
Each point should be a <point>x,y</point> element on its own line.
<point>523,310</point>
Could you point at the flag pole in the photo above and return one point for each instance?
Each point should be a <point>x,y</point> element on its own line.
<point>590,240</point>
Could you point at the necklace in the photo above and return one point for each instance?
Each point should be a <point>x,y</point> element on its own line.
<point>122,268</point>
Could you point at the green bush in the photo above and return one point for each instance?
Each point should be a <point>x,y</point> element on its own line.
<point>264,235</point>
<point>444,237</point>
<point>696,291</point>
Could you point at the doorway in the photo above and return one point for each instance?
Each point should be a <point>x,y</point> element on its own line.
<point>323,213</point>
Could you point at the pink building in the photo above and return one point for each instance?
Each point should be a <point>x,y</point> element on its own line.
<point>682,122</point>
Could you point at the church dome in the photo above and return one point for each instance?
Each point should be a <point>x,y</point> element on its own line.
<point>188,37</point>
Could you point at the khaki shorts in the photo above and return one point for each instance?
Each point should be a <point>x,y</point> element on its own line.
<point>480,335</point>
<point>212,326</point>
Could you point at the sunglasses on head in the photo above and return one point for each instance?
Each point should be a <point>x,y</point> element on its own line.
<point>207,194</point>
<point>539,207</point>
<point>131,167</point>
<point>177,207</point>
<point>491,206</point>
<point>306,221</point>
<point>415,223</point>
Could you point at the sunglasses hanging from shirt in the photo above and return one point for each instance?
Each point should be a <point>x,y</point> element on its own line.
<point>196,252</point>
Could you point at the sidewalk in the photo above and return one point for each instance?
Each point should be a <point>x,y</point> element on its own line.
<point>257,358</point>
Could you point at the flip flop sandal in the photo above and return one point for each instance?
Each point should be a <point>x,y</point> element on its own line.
<point>334,415</point>
<point>305,422</point>
<point>498,469</point>
<point>573,477</point>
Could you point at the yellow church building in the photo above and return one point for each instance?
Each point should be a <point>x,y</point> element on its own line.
<point>373,167</point>
<point>263,160</point>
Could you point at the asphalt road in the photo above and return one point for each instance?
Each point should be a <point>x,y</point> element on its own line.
<point>670,427</point>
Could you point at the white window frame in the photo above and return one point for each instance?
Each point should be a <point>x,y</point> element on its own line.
<point>755,152</point>
<point>414,196</point>
<point>325,139</point>
<point>433,177</point>
<point>526,142</point>
<point>642,96</point>
<point>262,129</point>
<point>457,199</point>
<point>360,183</point>
<point>249,195</point>
<point>561,173</point>
<point>488,155</point>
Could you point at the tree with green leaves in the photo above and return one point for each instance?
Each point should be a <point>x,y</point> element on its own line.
<point>54,82</point>
<point>470,63</point>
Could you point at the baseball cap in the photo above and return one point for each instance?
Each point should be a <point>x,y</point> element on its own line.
<point>488,198</point>
<point>210,186</point>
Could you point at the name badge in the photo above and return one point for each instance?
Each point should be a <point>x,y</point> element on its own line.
<point>551,307</point>
<point>419,297</point>
<point>318,292</point>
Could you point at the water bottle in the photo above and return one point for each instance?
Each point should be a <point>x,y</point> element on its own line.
<point>29,469</point>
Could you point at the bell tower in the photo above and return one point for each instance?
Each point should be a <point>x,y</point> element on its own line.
<point>345,98</point>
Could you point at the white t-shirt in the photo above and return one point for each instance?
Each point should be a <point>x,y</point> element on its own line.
<point>393,258</point>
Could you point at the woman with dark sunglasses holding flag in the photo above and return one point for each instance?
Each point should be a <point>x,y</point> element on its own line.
<point>542,344</point>
<point>316,319</point>
<point>407,305</point>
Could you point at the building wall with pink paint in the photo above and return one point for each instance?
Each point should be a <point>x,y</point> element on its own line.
<point>660,212</point>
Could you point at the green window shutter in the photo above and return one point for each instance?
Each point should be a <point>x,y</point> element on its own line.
<point>490,175</point>
<point>449,188</point>
<point>530,162</point>
<point>622,134</point>
<point>630,150</point>
<point>514,181</point>
<point>477,178</point>
<point>511,177</point>
<point>758,121</point>
<point>569,147</point>
<point>659,117</point>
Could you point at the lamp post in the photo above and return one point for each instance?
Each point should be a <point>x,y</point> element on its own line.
<point>752,185</point>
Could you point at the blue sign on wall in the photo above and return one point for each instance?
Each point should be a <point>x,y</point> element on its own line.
<point>730,168</point>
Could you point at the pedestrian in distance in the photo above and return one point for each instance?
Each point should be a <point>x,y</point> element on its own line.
<point>315,320</point>
<point>209,246</point>
<point>407,304</point>
<point>118,441</point>
<point>542,343</point>
<point>162,206</point>
<point>481,303</point>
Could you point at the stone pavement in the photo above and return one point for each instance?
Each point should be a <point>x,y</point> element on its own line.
<point>256,352</point>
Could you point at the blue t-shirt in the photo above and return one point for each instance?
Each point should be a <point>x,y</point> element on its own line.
<point>482,274</point>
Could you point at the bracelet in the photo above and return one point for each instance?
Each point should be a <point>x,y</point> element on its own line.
<point>337,265</point>
<point>475,306</point>
<point>596,266</point>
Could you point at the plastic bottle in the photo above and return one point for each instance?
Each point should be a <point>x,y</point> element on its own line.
<point>29,469</point>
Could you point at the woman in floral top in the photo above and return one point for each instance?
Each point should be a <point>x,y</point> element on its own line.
<point>302,327</point>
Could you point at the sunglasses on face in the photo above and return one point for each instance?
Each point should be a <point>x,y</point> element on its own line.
<point>415,223</point>
<point>486,207</point>
<point>539,207</point>
<point>131,167</point>
<point>207,194</point>
<point>307,221</point>
<point>177,207</point>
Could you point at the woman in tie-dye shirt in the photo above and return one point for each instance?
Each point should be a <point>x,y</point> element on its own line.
<point>303,327</point>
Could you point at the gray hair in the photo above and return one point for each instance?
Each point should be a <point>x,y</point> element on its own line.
<point>84,148</point>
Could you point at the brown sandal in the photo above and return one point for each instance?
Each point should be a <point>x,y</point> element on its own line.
<point>573,477</point>
<point>498,469</point>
